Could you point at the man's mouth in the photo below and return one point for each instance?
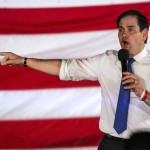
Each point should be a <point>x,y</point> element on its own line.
<point>125,44</point>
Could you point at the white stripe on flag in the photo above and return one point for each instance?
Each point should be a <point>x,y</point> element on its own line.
<point>66,45</point>
<point>50,103</point>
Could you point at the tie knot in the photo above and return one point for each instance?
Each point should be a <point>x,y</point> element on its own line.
<point>130,61</point>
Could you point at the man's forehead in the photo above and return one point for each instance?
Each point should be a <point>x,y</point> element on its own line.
<point>128,21</point>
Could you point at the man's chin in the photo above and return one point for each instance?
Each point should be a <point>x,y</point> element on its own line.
<point>131,54</point>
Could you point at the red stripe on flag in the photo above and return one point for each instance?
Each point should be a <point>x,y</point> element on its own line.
<point>58,20</point>
<point>18,78</point>
<point>50,133</point>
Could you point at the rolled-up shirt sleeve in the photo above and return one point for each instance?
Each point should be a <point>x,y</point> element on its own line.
<point>80,69</point>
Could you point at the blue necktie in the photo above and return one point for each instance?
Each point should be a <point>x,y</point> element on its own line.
<point>120,123</point>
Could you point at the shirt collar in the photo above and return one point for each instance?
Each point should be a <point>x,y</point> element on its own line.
<point>141,55</point>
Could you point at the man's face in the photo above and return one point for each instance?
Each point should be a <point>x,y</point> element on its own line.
<point>130,36</point>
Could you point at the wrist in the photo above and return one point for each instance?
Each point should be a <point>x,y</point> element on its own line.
<point>144,95</point>
<point>25,62</point>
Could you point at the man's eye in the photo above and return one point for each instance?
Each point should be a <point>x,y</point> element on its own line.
<point>130,29</point>
<point>120,30</point>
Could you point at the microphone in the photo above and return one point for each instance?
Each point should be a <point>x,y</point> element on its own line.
<point>123,56</point>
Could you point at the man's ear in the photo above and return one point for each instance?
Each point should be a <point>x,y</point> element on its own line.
<point>145,34</point>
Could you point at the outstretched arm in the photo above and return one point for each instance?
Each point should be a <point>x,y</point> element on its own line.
<point>48,66</point>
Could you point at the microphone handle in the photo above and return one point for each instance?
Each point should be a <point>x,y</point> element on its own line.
<point>124,65</point>
<point>124,68</point>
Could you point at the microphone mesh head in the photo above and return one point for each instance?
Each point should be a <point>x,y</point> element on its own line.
<point>123,54</point>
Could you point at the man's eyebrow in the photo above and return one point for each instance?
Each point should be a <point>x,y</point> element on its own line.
<point>131,26</point>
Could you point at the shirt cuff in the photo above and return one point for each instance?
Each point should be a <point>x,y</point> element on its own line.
<point>63,74</point>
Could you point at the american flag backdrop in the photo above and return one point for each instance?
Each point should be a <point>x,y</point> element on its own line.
<point>38,110</point>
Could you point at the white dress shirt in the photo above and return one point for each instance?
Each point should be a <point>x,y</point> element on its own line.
<point>106,68</point>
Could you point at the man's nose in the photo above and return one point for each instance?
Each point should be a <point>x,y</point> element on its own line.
<point>125,33</point>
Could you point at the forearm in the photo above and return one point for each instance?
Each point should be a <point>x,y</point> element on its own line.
<point>47,66</point>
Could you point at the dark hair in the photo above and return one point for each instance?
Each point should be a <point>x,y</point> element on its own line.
<point>142,20</point>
